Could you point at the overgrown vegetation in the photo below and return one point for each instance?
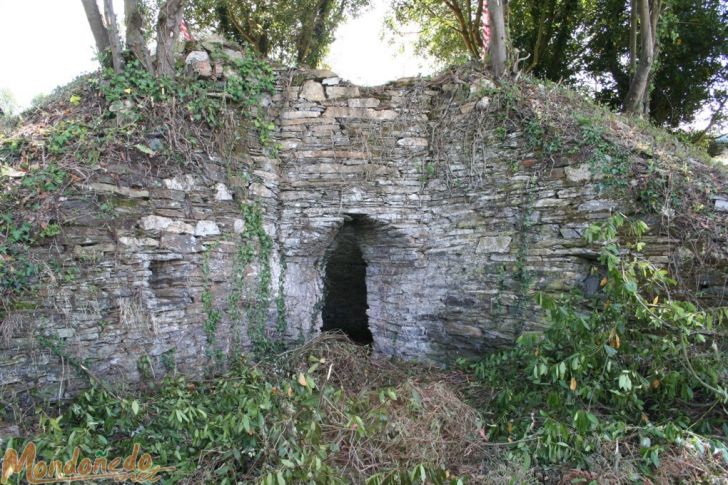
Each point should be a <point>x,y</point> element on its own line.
<point>627,384</point>
<point>630,370</point>
<point>297,32</point>
<point>323,414</point>
<point>592,45</point>
<point>18,268</point>
<point>68,141</point>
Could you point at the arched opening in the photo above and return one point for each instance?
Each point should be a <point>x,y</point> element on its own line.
<point>345,287</point>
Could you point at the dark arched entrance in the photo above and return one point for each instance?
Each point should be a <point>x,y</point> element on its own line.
<point>345,287</point>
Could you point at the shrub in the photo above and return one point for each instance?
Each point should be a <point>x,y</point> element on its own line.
<point>629,364</point>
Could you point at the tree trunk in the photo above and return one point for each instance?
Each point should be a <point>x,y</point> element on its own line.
<point>639,85</point>
<point>114,40</point>
<point>498,52</point>
<point>101,35</point>
<point>135,41</point>
<point>306,41</point>
<point>314,49</point>
<point>472,42</point>
<point>170,16</point>
<point>632,37</point>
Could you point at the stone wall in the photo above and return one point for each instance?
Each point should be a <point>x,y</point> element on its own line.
<point>142,247</point>
<point>441,255</point>
<point>457,233</point>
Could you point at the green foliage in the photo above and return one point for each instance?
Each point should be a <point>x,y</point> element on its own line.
<point>421,474</point>
<point>549,34</point>
<point>169,360</point>
<point>609,162</point>
<point>281,320</point>
<point>260,243</point>
<point>622,365</point>
<point>213,316</point>
<point>690,67</point>
<point>44,179</point>
<point>244,427</point>
<point>134,84</point>
<point>64,134</point>
<point>18,270</point>
<point>586,43</point>
<point>292,32</point>
<point>449,31</point>
<point>428,171</point>
<point>135,89</point>
<point>8,103</point>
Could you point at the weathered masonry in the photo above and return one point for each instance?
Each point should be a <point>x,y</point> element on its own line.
<point>405,215</point>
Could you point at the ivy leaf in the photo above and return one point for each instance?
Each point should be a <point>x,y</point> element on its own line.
<point>302,379</point>
<point>145,149</point>
<point>630,286</point>
<point>625,383</point>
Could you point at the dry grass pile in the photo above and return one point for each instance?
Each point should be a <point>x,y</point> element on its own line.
<point>616,464</point>
<point>388,415</point>
<point>385,415</point>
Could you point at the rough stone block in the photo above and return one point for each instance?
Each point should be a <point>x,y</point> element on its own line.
<point>160,223</point>
<point>494,244</point>
<point>222,193</point>
<point>184,183</point>
<point>581,173</point>
<point>461,330</point>
<point>363,103</point>
<point>181,243</point>
<point>413,142</point>
<point>124,191</point>
<point>136,243</point>
<point>336,92</point>
<point>297,115</point>
<point>312,91</point>
<point>597,206</point>
<point>198,63</point>
<point>206,228</point>
<point>365,113</point>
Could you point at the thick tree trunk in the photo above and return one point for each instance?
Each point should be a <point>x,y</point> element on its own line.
<point>632,37</point>
<point>135,41</point>
<point>312,51</point>
<point>639,85</point>
<point>114,38</point>
<point>98,29</point>
<point>170,16</point>
<point>498,52</point>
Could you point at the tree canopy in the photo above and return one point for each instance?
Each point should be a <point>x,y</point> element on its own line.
<point>296,32</point>
<point>593,44</point>
<point>8,104</point>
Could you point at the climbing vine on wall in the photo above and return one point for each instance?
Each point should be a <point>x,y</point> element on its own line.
<point>213,316</point>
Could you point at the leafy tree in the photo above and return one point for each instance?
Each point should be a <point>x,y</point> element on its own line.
<point>596,43</point>
<point>8,104</point>
<point>450,31</point>
<point>292,32</point>
<point>549,34</point>
<point>644,18</point>
<point>690,66</point>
